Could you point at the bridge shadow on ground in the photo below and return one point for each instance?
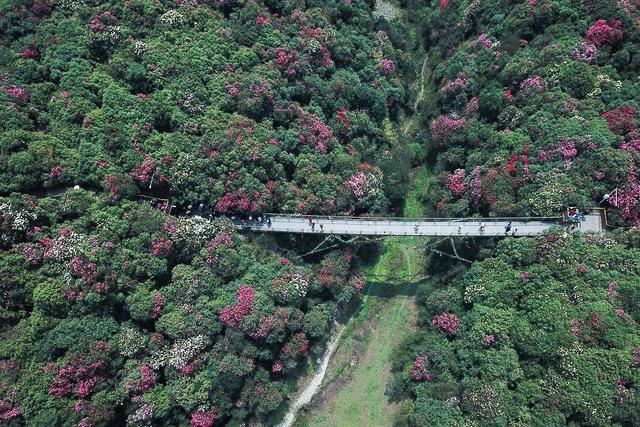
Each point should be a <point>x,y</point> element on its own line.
<point>392,288</point>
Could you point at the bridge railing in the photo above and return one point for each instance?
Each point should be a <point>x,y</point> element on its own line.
<point>405,219</point>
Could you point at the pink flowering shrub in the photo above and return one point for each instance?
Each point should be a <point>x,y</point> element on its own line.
<point>445,127</point>
<point>358,282</point>
<point>484,40</point>
<point>357,184</point>
<point>16,92</point>
<point>8,411</point>
<point>84,269</point>
<point>201,418</point>
<point>277,366</point>
<point>455,182</point>
<point>585,52</point>
<point>419,372</point>
<point>447,322</point>
<point>475,186</point>
<point>221,240</point>
<point>365,182</point>
<point>457,85</point>
<point>144,172</point>
<point>233,315</point>
<point>55,171</point>
<point>636,357</point>
<point>567,149</point>
<point>487,340</point>
<point>602,33</point>
<point>387,66</point>
<point>314,131</point>
<point>534,82</point>
<point>141,380</point>
<point>158,304</point>
<point>162,247</point>
<point>31,51</point>
<point>77,377</point>
<point>472,106</point>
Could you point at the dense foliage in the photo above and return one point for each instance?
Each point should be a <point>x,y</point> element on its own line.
<point>534,106</point>
<point>115,311</point>
<point>541,332</point>
<point>243,106</point>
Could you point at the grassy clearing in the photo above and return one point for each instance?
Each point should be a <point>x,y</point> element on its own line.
<point>353,393</point>
<point>413,208</point>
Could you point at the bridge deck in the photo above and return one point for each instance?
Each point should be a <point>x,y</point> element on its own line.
<point>425,227</point>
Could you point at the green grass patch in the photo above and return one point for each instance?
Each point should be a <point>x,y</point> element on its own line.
<point>413,207</point>
<point>353,391</point>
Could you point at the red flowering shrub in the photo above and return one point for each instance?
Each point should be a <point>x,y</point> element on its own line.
<point>298,345</point>
<point>202,418</point>
<point>602,33</point>
<point>447,322</point>
<point>455,182</point>
<point>162,247</point>
<point>342,117</point>
<point>233,315</point>
<point>16,92</point>
<point>31,51</point>
<point>621,120</point>
<point>77,377</point>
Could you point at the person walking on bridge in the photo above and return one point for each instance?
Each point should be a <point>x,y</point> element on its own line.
<point>507,229</point>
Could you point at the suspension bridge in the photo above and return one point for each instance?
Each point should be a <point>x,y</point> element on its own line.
<point>593,222</point>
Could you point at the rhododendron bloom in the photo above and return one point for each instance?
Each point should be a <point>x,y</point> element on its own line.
<point>586,52</point>
<point>387,66</point>
<point>455,182</point>
<point>488,340</point>
<point>419,372</point>
<point>158,304</point>
<point>55,171</point>
<point>484,40</point>
<point>444,127</point>
<point>602,33</point>
<point>233,315</point>
<point>533,82</point>
<point>203,418</point>
<point>447,322</point>
<point>621,120</point>
<point>16,92</point>
<point>162,247</point>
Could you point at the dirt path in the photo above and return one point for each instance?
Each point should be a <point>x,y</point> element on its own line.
<point>421,93</point>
